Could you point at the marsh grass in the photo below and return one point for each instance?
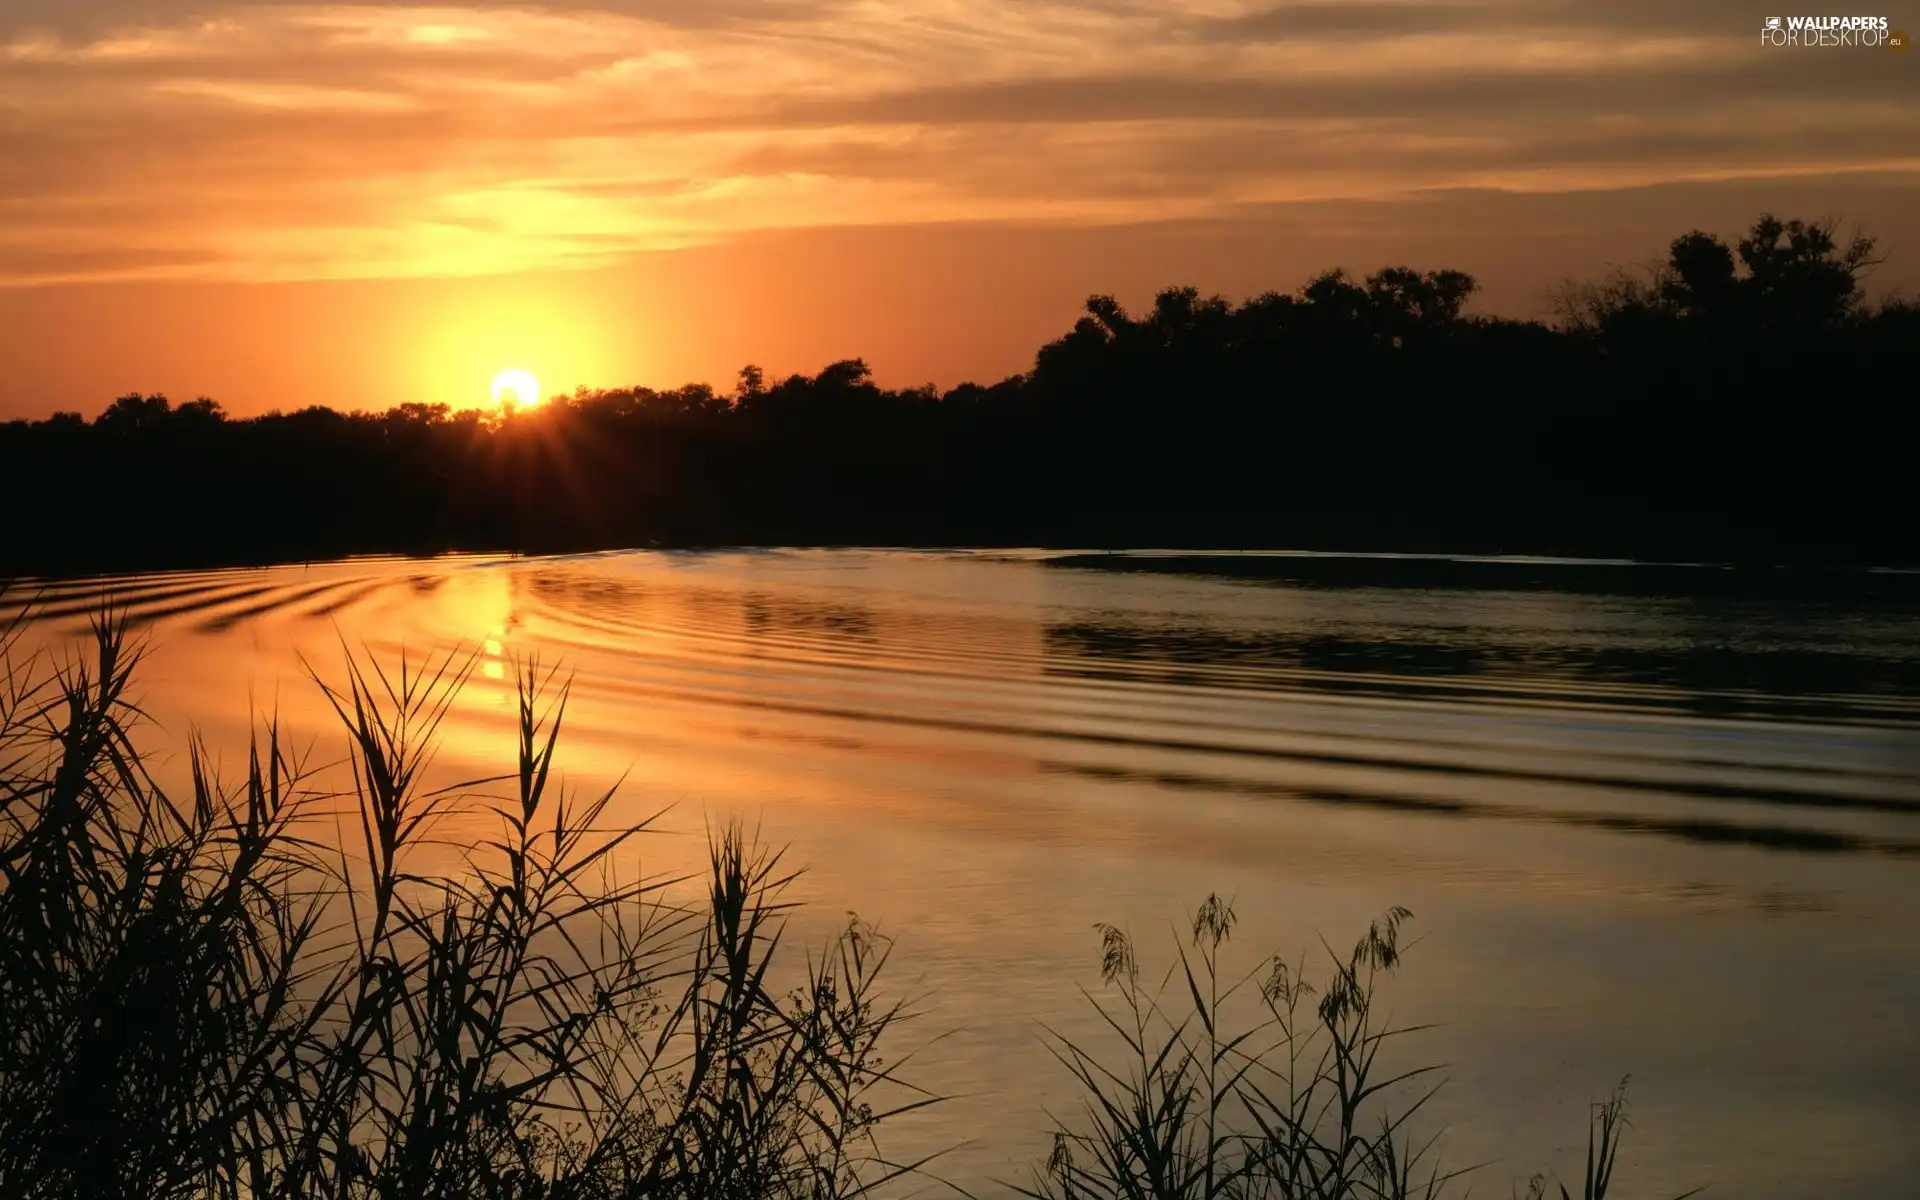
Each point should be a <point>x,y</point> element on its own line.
<point>1278,1083</point>
<point>202,996</point>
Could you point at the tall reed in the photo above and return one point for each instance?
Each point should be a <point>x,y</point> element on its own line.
<point>214,994</point>
<point>1266,1084</point>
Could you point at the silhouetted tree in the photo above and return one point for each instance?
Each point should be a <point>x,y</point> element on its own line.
<point>133,413</point>
<point>1737,400</point>
<point>1799,274</point>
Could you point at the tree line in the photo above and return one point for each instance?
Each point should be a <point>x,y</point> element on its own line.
<point>1740,401</point>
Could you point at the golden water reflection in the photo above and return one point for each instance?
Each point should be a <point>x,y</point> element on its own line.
<point>1642,830</point>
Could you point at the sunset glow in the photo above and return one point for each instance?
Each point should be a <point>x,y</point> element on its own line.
<point>728,181</point>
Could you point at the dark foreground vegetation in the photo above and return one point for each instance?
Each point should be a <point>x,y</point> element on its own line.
<point>251,988</point>
<point>1741,402</point>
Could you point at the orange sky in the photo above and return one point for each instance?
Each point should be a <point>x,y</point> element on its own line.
<point>356,205</point>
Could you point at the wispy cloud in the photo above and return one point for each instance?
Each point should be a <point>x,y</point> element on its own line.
<point>162,140</point>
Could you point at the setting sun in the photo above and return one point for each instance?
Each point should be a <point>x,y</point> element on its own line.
<point>516,387</point>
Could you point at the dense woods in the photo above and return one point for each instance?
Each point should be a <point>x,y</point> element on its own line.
<point>1743,401</point>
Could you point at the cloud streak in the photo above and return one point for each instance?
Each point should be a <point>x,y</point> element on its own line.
<point>245,141</point>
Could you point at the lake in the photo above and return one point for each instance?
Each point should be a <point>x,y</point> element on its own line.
<point>1652,820</point>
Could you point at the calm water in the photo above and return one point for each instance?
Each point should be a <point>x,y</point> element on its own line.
<point>1647,822</point>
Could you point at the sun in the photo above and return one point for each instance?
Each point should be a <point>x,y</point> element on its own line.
<point>516,387</point>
